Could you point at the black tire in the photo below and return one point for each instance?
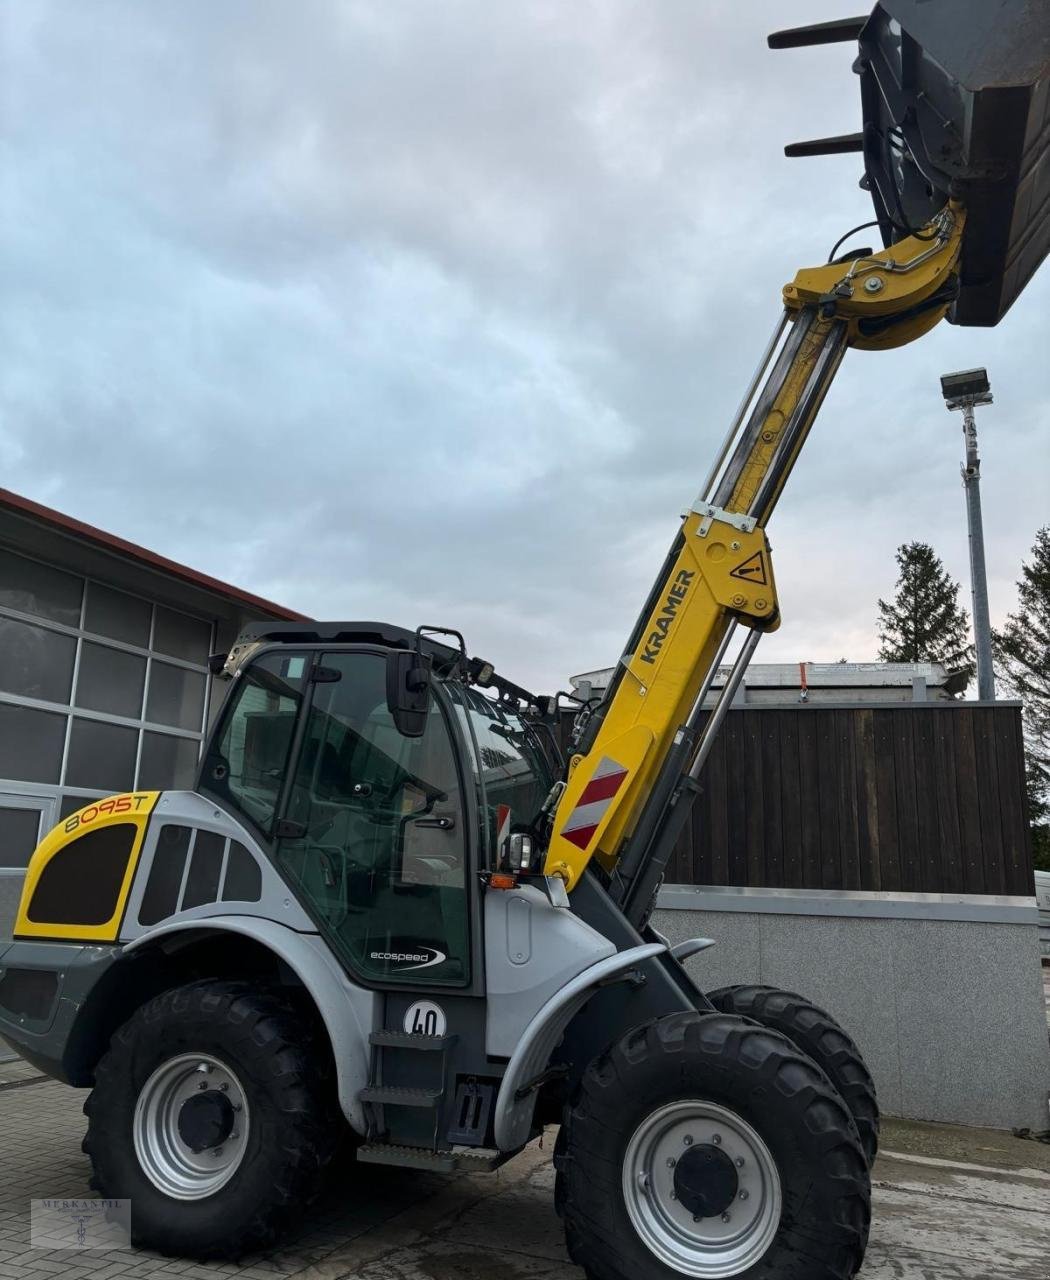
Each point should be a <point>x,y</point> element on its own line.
<point>294,1129</point>
<point>759,1077</point>
<point>821,1038</point>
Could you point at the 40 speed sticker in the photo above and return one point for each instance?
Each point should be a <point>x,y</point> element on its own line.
<point>425,1018</point>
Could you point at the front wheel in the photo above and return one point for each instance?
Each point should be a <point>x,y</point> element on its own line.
<point>214,1112</point>
<point>703,1145</point>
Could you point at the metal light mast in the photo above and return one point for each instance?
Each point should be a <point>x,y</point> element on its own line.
<point>964,391</point>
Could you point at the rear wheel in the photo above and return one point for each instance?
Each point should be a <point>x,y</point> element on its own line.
<point>821,1038</point>
<point>214,1112</point>
<point>706,1146</point>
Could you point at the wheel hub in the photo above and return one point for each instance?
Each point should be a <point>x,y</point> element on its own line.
<point>701,1189</point>
<point>191,1126</point>
<point>206,1120</point>
<point>706,1181</point>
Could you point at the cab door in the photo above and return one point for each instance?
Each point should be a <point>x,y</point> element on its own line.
<point>374,833</point>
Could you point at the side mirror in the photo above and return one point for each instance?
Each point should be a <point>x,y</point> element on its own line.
<point>408,691</point>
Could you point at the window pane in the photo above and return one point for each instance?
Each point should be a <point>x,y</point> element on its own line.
<point>35,662</point>
<point>31,744</point>
<point>176,696</point>
<point>110,680</point>
<point>202,882</point>
<point>18,835</point>
<point>70,804</point>
<point>167,762</point>
<point>101,755</point>
<point>180,636</point>
<point>119,616</point>
<point>247,760</point>
<point>37,588</point>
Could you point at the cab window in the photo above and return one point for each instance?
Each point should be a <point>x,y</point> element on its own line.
<point>379,848</point>
<point>247,760</point>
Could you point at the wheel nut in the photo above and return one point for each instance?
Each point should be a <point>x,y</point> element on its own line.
<point>743,1194</point>
<point>716,1138</point>
<point>671,1162</point>
<point>688,1139</point>
<point>725,1217</point>
<point>203,1084</point>
<point>740,1162</point>
<point>224,1086</point>
<point>217,1152</point>
<point>674,1195</point>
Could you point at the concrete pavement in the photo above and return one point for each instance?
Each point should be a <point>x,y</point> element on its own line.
<point>950,1204</point>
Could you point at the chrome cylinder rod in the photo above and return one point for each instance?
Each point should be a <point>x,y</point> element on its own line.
<point>725,701</point>
<point>745,404</point>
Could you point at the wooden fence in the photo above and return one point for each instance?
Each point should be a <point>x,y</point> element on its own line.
<point>916,797</point>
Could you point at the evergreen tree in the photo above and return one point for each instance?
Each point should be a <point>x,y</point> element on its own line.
<point>924,622</point>
<point>1022,654</point>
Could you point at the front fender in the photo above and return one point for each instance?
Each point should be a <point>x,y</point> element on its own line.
<point>348,1011</point>
<point>514,1112</point>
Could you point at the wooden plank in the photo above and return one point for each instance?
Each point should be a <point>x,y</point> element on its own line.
<point>757,872</point>
<point>889,867</point>
<point>908,837</point>
<point>718,832</point>
<point>928,862</point>
<point>986,763</point>
<point>1017,859</point>
<point>790,802</point>
<point>970,852</point>
<point>867,799</point>
<point>951,878</point>
<point>849,820</point>
<point>772,807</point>
<point>809,796</point>
<point>831,801</point>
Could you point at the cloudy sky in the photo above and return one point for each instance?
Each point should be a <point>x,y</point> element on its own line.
<point>436,312</point>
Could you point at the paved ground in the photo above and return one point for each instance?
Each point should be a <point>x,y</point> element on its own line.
<point>950,1204</point>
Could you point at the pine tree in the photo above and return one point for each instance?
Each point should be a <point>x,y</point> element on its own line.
<point>1022,655</point>
<point>924,622</point>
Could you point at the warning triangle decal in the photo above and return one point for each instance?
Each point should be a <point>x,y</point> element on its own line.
<point>753,569</point>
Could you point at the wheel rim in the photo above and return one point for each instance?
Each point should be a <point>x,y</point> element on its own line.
<point>191,1126</point>
<point>701,1189</point>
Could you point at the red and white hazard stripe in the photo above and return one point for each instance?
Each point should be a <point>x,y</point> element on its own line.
<point>502,826</point>
<point>594,801</point>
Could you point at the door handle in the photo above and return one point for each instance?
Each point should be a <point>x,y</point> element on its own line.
<point>444,823</point>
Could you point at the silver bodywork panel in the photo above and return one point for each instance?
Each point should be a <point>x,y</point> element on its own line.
<point>187,809</point>
<point>350,1013</point>
<point>532,949</point>
<point>540,1037</point>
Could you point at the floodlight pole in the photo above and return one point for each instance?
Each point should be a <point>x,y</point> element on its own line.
<point>982,628</point>
<point>964,391</point>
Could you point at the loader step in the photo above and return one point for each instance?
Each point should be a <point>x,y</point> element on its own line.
<point>392,1097</point>
<point>480,1161</point>
<point>407,1040</point>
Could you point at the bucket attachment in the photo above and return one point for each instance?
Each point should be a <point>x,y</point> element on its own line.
<point>955,97</point>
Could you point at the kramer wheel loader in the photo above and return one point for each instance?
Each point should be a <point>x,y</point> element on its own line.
<point>392,915</point>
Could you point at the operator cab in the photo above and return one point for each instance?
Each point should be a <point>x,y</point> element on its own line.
<point>379,773</point>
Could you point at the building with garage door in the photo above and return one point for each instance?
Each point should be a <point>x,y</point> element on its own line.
<point>104,682</point>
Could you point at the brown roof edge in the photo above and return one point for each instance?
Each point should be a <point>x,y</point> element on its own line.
<point>120,546</point>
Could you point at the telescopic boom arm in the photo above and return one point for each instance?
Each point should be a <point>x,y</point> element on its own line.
<point>635,769</point>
